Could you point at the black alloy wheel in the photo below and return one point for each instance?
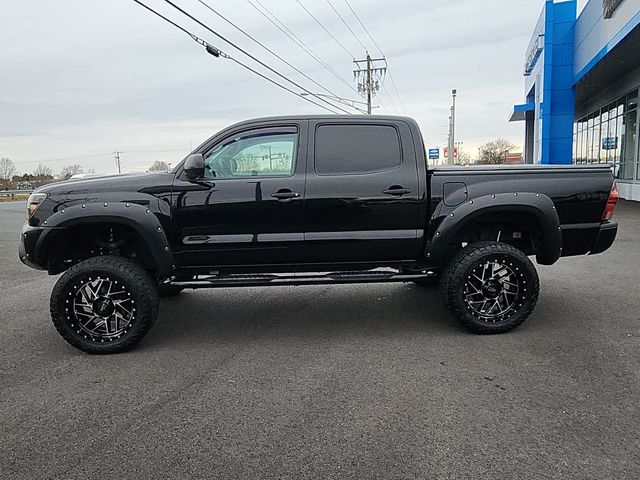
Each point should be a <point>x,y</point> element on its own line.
<point>490,287</point>
<point>104,304</point>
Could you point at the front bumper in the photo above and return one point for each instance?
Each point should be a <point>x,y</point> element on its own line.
<point>29,237</point>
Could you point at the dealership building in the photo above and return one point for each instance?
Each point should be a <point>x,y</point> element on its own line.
<point>582,76</point>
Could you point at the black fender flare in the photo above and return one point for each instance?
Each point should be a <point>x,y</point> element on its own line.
<point>138,217</point>
<point>538,204</point>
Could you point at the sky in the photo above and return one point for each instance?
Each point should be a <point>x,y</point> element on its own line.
<point>83,78</point>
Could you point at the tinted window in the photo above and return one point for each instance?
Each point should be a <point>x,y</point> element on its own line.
<point>353,149</point>
<point>253,155</point>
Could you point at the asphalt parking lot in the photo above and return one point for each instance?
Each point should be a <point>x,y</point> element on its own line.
<point>363,381</point>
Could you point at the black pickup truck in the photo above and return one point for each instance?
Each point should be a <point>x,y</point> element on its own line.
<point>309,200</point>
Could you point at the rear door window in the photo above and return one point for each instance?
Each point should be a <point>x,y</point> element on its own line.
<point>356,149</point>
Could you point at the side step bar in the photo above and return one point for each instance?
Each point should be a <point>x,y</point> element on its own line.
<point>241,280</point>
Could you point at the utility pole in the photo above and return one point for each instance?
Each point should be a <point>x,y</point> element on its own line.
<point>370,77</point>
<point>116,155</point>
<point>452,129</point>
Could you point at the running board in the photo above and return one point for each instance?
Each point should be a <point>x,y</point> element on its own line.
<point>243,280</point>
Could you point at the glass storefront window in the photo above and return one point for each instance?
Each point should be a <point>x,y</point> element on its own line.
<point>630,146</point>
<point>610,135</point>
<point>594,139</point>
<point>613,139</point>
<point>632,100</point>
<point>604,137</point>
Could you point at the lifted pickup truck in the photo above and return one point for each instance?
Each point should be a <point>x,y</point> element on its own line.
<point>309,200</point>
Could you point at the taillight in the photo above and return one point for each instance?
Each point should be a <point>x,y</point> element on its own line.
<point>611,203</point>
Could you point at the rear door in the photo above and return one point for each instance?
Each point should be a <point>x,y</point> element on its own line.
<point>362,196</point>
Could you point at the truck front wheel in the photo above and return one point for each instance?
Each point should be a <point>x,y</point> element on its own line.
<point>104,304</point>
<point>490,287</point>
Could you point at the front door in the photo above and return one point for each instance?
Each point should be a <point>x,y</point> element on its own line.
<point>362,198</point>
<point>248,208</point>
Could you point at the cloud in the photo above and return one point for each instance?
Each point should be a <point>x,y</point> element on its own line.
<point>84,78</point>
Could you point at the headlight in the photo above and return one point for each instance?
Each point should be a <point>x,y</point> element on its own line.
<point>34,201</point>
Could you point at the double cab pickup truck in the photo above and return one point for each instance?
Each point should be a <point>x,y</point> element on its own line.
<point>308,200</point>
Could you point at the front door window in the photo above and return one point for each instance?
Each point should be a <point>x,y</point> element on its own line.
<point>271,155</point>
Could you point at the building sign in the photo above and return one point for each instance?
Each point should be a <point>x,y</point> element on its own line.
<point>609,6</point>
<point>534,54</point>
<point>434,154</point>
<point>610,143</point>
<point>446,152</point>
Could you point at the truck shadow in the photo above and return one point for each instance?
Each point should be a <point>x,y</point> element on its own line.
<point>242,314</point>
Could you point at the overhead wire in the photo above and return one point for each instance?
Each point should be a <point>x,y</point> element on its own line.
<point>275,54</point>
<point>211,49</point>
<point>340,44</point>
<point>393,83</point>
<point>273,19</point>
<point>362,25</point>
<point>346,24</point>
<point>253,57</point>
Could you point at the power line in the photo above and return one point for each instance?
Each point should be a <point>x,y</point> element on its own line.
<point>362,25</point>
<point>384,89</point>
<point>396,90</point>
<point>254,58</point>
<point>346,24</point>
<point>393,83</point>
<point>295,39</point>
<point>267,48</point>
<point>327,31</point>
<point>218,53</point>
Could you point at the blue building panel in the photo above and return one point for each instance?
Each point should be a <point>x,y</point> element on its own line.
<point>557,134</point>
<point>562,50</point>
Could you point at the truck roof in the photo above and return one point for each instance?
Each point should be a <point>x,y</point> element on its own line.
<point>327,117</point>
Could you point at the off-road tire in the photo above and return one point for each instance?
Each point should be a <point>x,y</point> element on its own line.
<point>461,278</point>
<point>134,289</point>
<point>167,291</point>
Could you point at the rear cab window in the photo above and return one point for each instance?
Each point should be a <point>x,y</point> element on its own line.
<point>352,149</point>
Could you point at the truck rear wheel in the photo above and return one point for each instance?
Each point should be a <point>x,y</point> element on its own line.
<point>490,287</point>
<point>104,304</point>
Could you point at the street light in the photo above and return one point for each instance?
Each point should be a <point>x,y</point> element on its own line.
<point>452,128</point>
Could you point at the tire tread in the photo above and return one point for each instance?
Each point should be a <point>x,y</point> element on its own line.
<point>453,277</point>
<point>147,301</point>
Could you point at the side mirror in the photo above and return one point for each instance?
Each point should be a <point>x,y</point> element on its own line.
<point>194,167</point>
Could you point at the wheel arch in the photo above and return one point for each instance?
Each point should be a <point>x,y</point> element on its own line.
<point>137,218</point>
<point>525,206</point>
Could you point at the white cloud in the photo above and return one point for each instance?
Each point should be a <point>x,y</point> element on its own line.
<point>84,78</point>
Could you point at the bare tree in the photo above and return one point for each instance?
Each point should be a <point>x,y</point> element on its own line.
<point>42,171</point>
<point>41,175</point>
<point>159,166</point>
<point>7,169</point>
<point>71,170</point>
<point>495,152</point>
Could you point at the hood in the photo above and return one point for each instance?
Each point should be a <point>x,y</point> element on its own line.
<point>127,182</point>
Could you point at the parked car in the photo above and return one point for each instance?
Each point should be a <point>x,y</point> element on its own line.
<point>282,201</point>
